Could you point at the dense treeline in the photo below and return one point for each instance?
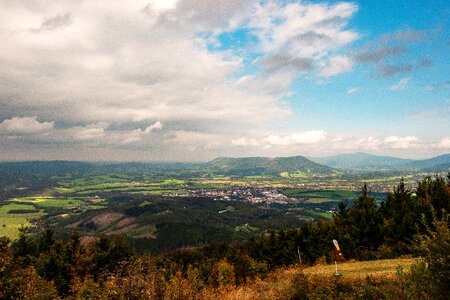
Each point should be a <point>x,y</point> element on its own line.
<point>44,267</point>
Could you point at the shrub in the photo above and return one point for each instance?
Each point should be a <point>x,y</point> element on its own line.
<point>434,245</point>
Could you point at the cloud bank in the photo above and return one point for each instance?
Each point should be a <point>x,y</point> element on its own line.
<point>160,79</point>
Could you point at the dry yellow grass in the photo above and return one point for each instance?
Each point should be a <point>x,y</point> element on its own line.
<point>384,268</point>
<point>281,283</point>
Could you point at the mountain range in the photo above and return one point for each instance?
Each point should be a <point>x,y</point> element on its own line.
<point>365,161</point>
<point>243,166</point>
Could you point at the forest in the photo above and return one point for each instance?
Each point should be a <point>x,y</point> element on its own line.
<point>408,222</point>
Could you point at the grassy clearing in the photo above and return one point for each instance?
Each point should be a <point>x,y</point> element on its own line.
<point>328,194</point>
<point>320,214</point>
<point>172,182</point>
<point>48,201</point>
<point>377,268</point>
<point>10,223</point>
<point>392,178</point>
<point>297,174</point>
<point>319,200</point>
<point>285,283</point>
<point>161,192</point>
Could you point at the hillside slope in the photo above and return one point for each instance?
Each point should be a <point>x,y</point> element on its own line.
<point>361,160</point>
<point>435,164</point>
<point>253,166</point>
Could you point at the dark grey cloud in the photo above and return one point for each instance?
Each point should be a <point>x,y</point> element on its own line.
<point>332,21</point>
<point>379,54</point>
<point>408,35</point>
<point>205,15</point>
<point>285,62</point>
<point>389,70</point>
<point>311,37</point>
<point>444,85</point>
<point>55,22</point>
<point>382,52</point>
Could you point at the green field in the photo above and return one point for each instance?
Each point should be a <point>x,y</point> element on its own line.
<point>50,202</point>
<point>325,194</point>
<point>11,222</point>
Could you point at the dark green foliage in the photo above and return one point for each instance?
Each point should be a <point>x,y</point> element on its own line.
<point>24,249</point>
<point>434,245</point>
<point>106,252</point>
<point>433,192</point>
<point>400,214</point>
<point>58,261</point>
<point>359,228</point>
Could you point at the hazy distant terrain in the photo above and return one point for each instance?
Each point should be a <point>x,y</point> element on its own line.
<point>364,161</point>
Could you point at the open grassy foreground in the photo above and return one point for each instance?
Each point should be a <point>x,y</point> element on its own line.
<point>354,269</point>
<point>360,280</point>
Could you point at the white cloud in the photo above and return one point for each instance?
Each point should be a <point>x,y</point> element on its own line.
<point>307,29</point>
<point>115,68</point>
<point>244,142</point>
<point>336,65</point>
<point>352,90</point>
<point>103,67</point>
<point>370,143</point>
<point>25,125</point>
<point>300,36</point>
<point>401,85</point>
<point>395,142</point>
<point>444,143</point>
<point>299,138</point>
<point>163,5</point>
<point>95,131</point>
<point>157,126</point>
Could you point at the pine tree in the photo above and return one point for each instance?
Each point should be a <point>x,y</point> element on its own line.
<point>365,223</point>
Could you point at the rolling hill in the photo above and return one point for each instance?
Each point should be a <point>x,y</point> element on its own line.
<point>435,164</point>
<point>361,160</point>
<point>365,161</point>
<point>254,166</point>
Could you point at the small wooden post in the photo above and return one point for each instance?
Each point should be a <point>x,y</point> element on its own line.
<point>337,254</point>
<point>299,256</point>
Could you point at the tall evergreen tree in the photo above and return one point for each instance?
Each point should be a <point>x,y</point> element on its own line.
<point>400,216</point>
<point>365,223</point>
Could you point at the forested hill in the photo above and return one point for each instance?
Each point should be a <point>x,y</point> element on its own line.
<point>441,162</point>
<point>365,161</point>
<point>248,166</point>
<point>361,160</point>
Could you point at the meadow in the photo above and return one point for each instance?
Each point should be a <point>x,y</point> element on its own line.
<point>359,280</point>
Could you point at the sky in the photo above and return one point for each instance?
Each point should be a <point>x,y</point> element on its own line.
<point>192,80</point>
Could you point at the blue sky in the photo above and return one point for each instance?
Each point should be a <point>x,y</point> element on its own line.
<point>197,79</point>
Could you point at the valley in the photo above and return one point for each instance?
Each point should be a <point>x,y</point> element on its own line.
<point>164,206</point>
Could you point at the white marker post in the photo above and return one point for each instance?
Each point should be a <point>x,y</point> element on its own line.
<point>337,254</point>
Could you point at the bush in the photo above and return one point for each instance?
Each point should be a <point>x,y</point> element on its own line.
<point>435,248</point>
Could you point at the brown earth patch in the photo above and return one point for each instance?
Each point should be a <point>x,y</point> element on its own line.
<point>84,240</point>
<point>105,219</point>
<point>146,232</point>
<point>124,229</point>
<point>125,221</point>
